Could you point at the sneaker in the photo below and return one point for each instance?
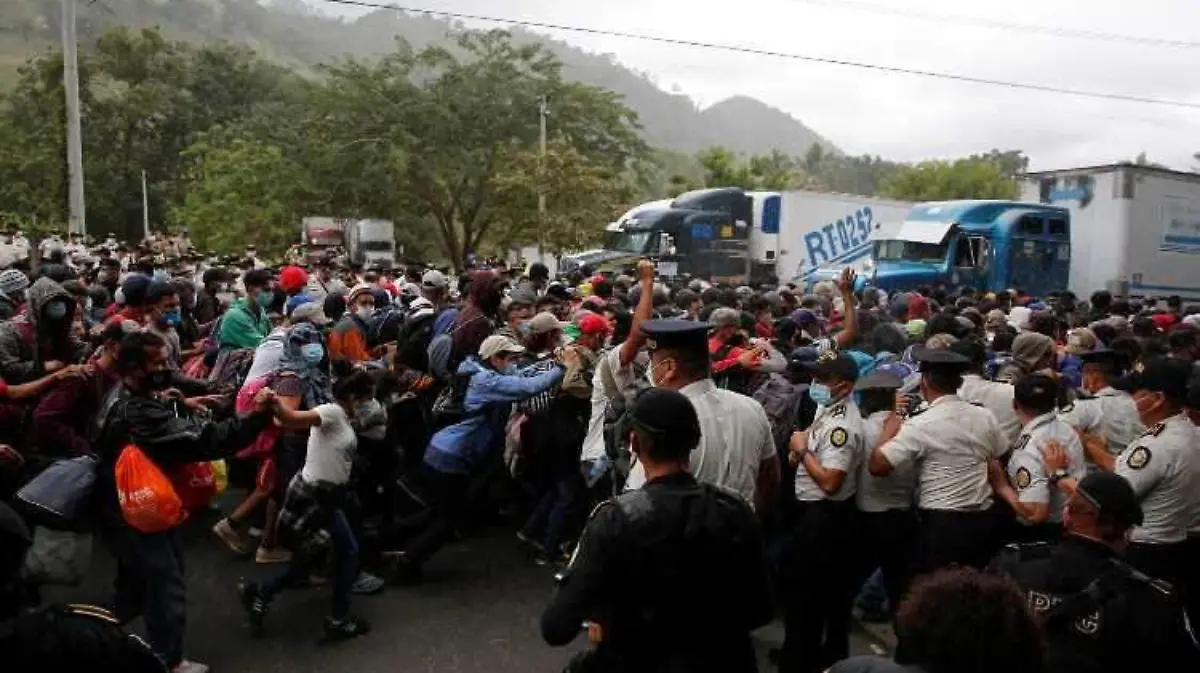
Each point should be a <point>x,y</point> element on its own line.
<point>345,629</point>
<point>186,666</point>
<point>541,560</point>
<point>225,530</point>
<point>255,531</point>
<point>527,539</point>
<point>256,606</point>
<point>367,584</point>
<point>276,555</point>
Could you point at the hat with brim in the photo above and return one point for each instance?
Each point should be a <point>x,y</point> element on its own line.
<point>498,344</point>
<point>879,380</point>
<point>546,322</point>
<point>833,365</point>
<point>311,312</point>
<point>1168,376</point>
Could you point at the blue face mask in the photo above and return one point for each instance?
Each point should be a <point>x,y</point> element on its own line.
<point>511,370</point>
<point>265,298</point>
<point>312,353</point>
<point>172,318</point>
<point>820,393</point>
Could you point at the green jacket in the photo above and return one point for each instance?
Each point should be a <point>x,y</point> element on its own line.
<point>244,326</point>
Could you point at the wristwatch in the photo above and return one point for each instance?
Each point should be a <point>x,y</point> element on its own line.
<point>1058,476</point>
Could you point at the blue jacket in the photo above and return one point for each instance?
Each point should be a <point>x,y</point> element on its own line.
<point>463,447</point>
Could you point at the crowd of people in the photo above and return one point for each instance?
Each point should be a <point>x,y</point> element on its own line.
<point>1013,481</point>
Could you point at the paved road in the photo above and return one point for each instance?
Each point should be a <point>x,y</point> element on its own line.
<point>477,611</point>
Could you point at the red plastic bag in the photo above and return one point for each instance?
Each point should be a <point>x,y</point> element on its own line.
<point>149,502</point>
<point>195,483</point>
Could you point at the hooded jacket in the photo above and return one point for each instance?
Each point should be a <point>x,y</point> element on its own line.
<point>26,344</point>
<point>461,448</point>
<point>473,323</point>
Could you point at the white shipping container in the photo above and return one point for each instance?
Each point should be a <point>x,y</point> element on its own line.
<point>819,231</point>
<point>1135,230</point>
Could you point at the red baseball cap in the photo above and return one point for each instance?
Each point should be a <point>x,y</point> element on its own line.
<point>593,324</point>
<point>292,278</point>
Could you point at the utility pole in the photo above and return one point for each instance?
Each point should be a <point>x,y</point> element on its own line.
<point>76,222</point>
<point>543,113</point>
<point>145,210</point>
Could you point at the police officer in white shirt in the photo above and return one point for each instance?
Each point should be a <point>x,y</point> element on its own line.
<point>885,504</point>
<point>1030,488</point>
<point>1107,417</point>
<point>736,448</point>
<point>995,396</point>
<point>1162,465</point>
<point>950,443</point>
<point>820,570</point>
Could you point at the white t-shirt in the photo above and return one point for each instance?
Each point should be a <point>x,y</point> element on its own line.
<point>331,447</point>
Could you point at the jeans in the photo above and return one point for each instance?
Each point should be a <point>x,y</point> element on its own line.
<point>150,583</point>
<point>345,567</point>
<point>552,511</point>
<point>447,493</point>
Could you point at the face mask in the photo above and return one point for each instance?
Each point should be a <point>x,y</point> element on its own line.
<point>312,353</point>
<point>172,318</point>
<point>160,380</point>
<point>651,376</point>
<point>56,311</point>
<point>1145,404</point>
<point>264,299</point>
<point>87,304</point>
<point>364,312</point>
<point>820,393</point>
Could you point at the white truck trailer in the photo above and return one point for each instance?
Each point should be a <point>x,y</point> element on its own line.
<point>1135,230</point>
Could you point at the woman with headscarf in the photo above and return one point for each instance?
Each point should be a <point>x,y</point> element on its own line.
<point>302,383</point>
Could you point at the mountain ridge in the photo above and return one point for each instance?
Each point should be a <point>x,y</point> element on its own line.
<point>293,34</point>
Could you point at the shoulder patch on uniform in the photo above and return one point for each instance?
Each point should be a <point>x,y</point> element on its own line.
<point>1021,442</point>
<point>1154,430</point>
<point>1023,478</point>
<point>1138,458</point>
<point>838,411</point>
<point>838,437</point>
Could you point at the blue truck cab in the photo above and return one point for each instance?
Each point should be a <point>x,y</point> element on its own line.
<point>989,245</point>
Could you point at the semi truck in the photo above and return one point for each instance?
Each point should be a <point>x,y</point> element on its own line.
<point>731,235</point>
<point>366,242</point>
<point>1135,230</point>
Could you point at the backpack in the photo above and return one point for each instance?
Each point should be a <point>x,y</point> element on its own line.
<point>412,343</point>
<point>616,418</point>
<point>781,399</point>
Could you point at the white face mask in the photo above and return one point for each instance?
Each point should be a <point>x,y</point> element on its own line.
<point>364,312</point>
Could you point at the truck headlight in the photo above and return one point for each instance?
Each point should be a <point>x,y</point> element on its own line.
<point>869,264</point>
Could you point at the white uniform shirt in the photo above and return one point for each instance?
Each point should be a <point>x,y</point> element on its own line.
<point>836,441</point>
<point>997,398</point>
<point>1027,466</point>
<point>1111,414</point>
<point>1163,466</point>
<point>950,444</point>
<point>735,438</point>
<point>880,494</point>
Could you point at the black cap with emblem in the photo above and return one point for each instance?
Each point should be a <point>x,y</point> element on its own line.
<point>682,335</point>
<point>835,366</point>
<point>1113,496</point>
<point>1113,362</point>
<point>879,380</point>
<point>942,359</point>
<point>670,421</point>
<point>1161,375</point>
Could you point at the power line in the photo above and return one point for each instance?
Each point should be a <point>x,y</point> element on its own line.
<point>776,54</point>
<point>1055,31</point>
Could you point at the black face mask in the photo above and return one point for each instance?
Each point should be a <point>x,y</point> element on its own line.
<point>160,380</point>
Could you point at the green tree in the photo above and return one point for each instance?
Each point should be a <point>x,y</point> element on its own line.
<point>971,178</point>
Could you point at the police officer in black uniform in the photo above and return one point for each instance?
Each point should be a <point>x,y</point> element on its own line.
<point>1099,613</point>
<point>668,577</point>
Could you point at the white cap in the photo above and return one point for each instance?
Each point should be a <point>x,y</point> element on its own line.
<point>434,279</point>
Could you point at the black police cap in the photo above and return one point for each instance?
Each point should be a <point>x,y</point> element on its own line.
<point>834,365</point>
<point>666,413</point>
<point>940,358</point>
<point>879,380</point>
<point>1163,375</point>
<point>675,334</point>
<point>1113,496</point>
<point>1115,360</point>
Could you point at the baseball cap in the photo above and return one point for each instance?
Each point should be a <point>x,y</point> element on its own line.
<point>804,316</point>
<point>1029,347</point>
<point>593,324</point>
<point>1161,375</point>
<point>134,289</point>
<point>434,279</point>
<point>1113,496</point>
<point>666,413</point>
<point>292,278</point>
<point>311,312</point>
<point>497,344</point>
<point>546,322</point>
<point>521,298</point>
<point>1036,391</point>
<point>725,317</point>
<point>12,280</point>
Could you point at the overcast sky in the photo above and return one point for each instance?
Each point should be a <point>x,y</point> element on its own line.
<point>907,117</point>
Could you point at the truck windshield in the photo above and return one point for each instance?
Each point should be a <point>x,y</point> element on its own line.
<point>911,250</point>
<point>631,241</point>
<point>376,246</point>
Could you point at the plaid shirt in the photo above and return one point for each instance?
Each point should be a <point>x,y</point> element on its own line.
<point>304,519</point>
<point>539,403</point>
